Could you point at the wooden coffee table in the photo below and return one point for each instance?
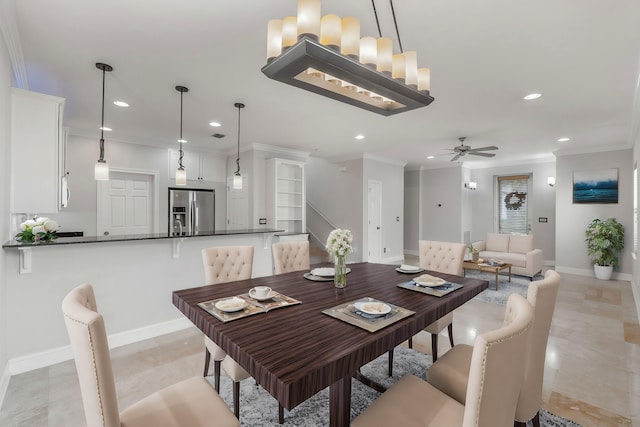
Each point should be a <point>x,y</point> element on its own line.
<point>471,265</point>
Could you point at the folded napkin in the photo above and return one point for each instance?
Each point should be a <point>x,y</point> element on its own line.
<point>406,267</point>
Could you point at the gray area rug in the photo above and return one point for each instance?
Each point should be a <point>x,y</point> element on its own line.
<point>259,408</point>
<point>518,284</point>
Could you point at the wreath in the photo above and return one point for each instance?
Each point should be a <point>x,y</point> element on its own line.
<point>513,201</point>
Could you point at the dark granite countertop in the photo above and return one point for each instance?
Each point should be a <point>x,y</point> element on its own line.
<point>129,237</point>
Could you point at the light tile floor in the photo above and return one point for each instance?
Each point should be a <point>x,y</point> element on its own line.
<point>592,372</point>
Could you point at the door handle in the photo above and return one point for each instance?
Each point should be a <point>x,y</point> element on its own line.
<point>378,228</point>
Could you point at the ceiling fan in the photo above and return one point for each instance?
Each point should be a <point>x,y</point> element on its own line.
<point>463,150</point>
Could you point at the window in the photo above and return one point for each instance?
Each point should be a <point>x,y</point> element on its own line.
<point>513,204</point>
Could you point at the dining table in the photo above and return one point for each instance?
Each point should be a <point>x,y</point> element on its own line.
<point>295,351</point>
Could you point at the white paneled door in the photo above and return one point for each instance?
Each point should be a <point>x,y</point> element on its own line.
<point>237,205</point>
<point>374,212</point>
<point>125,204</point>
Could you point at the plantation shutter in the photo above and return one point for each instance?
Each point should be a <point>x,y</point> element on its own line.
<point>513,204</point>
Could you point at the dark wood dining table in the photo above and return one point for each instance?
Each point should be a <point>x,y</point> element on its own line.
<point>296,351</point>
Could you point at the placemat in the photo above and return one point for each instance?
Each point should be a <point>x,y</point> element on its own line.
<point>348,313</point>
<point>437,291</point>
<point>253,306</point>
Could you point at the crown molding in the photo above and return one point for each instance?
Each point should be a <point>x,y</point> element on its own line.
<point>9,28</point>
<point>588,150</point>
<point>277,150</point>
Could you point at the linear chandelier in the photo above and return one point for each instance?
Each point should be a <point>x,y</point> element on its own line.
<point>327,56</point>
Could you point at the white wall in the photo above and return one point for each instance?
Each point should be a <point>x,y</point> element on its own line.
<point>133,281</point>
<point>5,172</point>
<point>82,152</point>
<point>542,203</point>
<point>411,211</point>
<point>441,204</point>
<point>336,189</point>
<point>572,219</point>
<point>391,175</point>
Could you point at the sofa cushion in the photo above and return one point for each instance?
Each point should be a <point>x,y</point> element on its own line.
<point>517,260</point>
<point>521,244</point>
<point>497,242</point>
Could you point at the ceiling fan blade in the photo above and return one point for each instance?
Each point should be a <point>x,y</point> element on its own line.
<point>481,154</point>
<point>456,157</point>
<point>492,147</point>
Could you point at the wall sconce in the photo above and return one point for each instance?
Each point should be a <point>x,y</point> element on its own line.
<point>551,180</point>
<point>471,185</point>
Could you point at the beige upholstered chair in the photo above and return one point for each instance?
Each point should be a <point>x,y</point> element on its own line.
<point>290,256</point>
<point>443,257</point>
<point>191,402</point>
<point>226,264</point>
<point>450,373</point>
<point>495,378</point>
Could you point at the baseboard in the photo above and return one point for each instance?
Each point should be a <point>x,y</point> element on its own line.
<point>411,252</point>
<point>45,358</point>
<point>392,260</point>
<point>4,383</point>
<point>590,273</point>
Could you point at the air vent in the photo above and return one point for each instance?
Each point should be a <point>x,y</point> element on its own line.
<point>218,135</point>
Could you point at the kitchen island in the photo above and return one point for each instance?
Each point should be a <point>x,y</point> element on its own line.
<point>133,278</point>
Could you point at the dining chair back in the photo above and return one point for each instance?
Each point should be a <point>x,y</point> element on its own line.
<point>227,263</point>
<point>191,402</point>
<point>290,256</point>
<point>444,257</point>
<point>495,378</point>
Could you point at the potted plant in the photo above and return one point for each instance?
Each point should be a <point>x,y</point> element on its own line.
<point>605,240</point>
<point>474,252</point>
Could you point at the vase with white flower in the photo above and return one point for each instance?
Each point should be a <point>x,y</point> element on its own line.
<point>40,229</point>
<point>339,245</point>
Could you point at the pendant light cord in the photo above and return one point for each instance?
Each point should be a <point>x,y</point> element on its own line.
<point>395,22</point>
<point>238,158</point>
<point>181,152</point>
<point>104,72</point>
<point>375,13</point>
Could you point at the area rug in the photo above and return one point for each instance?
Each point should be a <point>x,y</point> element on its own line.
<point>518,284</point>
<point>259,408</point>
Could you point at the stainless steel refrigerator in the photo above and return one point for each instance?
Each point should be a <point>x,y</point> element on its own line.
<point>191,211</point>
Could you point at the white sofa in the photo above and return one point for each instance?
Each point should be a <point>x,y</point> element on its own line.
<point>514,249</point>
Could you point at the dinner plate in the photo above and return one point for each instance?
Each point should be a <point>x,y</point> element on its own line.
<point>231,304</point>
<point>373,308</point>
<point>325,271</point>
<point>429,280</point>
<point>400,270</point>
<point>270,295</point>
<point>410,268</point>
<point>310,276</point>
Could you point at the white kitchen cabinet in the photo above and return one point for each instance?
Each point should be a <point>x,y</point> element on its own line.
<point>199,166</point>
<point>286,200</point>
<point>36,150</point>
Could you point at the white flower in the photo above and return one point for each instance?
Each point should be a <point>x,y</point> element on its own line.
<point>38,229</point>
<point>29,223</point>
<point>50,225</point>
<point>23,226</point>
<point>339,242</point>
<point>41,220</point>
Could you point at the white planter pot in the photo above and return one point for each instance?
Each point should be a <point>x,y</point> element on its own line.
<point>603,272</point>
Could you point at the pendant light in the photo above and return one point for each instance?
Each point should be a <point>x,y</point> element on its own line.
<point>237,178</point>
<point>101,171</point>
<point>181,174</point>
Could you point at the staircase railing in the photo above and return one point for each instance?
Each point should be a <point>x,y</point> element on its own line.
<point>318,225</point>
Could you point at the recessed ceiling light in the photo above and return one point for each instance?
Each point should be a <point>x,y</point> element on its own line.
<point>431,157</point>
<point>121,103</point>
<point>533,96</point>
<point>182,141</point>
<point>106,129</point>
<point>215,124</point>
<point>565,139</point>
<point>360,136</point>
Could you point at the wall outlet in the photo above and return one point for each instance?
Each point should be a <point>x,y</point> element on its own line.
<point>542,219</point>
<point>384,250</point>
<point>262,221</point>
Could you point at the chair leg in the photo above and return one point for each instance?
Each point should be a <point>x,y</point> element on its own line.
<point>390,363</point>
<point>280,414</point>
<point>434,346</point>
<point>450,330</point>
<point>411,342</point>
<point>236,398</point>
<point>536,420</point>
<point>207,360</point>
<point>216,374</point>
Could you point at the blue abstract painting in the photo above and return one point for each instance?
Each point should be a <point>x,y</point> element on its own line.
<point>600,186</point>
